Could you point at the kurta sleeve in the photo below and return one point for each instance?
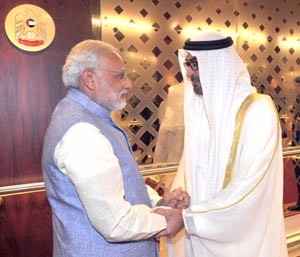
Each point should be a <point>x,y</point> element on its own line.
<point>153,195</point>
<point>87,158</point>
<point>248,199</point>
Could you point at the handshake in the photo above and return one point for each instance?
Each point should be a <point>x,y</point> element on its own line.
<point>177,200</point>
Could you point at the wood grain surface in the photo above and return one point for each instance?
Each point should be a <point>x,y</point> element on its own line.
<point>25,226</point>
<point>30,87</point>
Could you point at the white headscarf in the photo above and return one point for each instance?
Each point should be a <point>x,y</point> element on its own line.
<point>210,119</point>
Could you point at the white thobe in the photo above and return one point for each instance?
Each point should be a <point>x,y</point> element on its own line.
<point>245,218</point>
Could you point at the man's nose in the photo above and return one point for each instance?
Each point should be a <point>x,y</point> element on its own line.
<point>127,84</point>
<point>189,72</point>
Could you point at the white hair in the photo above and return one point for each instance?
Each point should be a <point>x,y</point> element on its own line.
<point>87,54</point>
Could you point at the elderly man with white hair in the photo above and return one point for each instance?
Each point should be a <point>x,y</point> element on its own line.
<point>232,161</point>
<point>100,204</point>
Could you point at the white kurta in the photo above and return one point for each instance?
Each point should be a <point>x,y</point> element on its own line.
<point>244,219</point>
<point>87,158</point>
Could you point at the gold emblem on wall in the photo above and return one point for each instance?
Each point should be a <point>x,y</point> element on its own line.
<point>29,27</point>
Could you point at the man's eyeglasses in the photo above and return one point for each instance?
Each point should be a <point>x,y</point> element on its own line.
<point>120,75</point>
<point>193,64</point>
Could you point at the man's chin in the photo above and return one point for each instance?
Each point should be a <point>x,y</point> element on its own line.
<point>119,106</point>
<point>198,90</point>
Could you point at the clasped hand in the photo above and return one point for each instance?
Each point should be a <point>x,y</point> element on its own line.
<point>176,200</point>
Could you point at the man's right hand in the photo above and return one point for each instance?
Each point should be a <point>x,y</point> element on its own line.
<point>178,199</point>
<point>174,221</point>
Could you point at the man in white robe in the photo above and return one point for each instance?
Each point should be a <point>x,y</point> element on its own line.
<point>232,161</point>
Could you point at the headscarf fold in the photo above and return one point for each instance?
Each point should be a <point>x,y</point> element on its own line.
<point>209,119</point>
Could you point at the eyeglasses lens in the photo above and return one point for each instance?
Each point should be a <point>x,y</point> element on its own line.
<point>193,65</point>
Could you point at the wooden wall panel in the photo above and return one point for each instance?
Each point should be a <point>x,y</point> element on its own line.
<point>25,226</point>
<point>30,87</point>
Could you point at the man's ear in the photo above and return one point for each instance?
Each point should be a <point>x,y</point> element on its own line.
<point>88,79</point>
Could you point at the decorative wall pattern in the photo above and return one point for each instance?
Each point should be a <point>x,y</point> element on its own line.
<point>148,33</point>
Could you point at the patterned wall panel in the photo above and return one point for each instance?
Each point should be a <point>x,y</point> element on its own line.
<point>271,51</point>
<point>148,33</point>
